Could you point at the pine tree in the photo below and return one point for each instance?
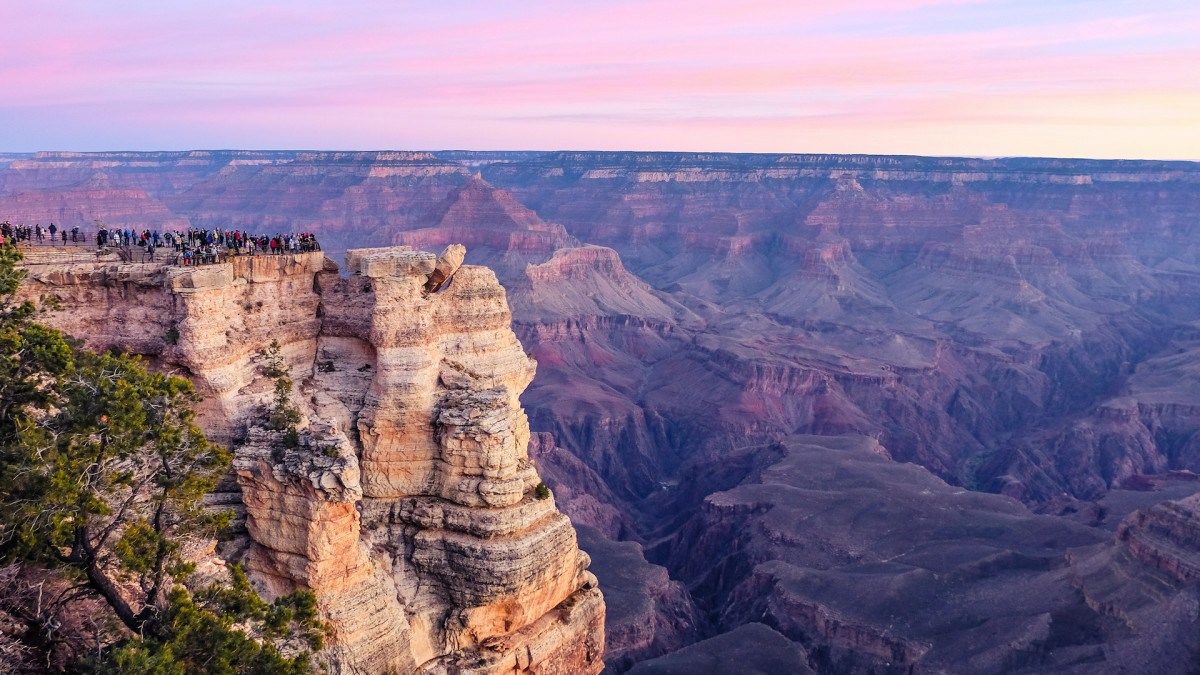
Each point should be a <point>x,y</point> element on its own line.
<point>102,470</point>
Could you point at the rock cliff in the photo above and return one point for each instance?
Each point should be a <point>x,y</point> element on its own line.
<point>407,500</point>
<point>875,566</point>
<point>1019,326</point>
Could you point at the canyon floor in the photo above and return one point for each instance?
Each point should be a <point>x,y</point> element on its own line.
<point>850,413</point>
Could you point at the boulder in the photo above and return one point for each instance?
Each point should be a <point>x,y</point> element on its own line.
<point>447,264</point>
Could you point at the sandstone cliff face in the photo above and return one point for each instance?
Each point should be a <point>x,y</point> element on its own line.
<point>408,505</point>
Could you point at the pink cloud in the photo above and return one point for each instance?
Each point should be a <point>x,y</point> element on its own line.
<point>631,65</point>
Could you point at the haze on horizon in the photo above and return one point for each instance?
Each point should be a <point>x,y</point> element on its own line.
<point>1074,78</point>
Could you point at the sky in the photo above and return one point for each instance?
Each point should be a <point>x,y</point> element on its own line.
<point>1062,78</point>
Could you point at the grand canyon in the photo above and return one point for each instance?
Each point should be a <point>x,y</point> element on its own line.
<point>838,413</point>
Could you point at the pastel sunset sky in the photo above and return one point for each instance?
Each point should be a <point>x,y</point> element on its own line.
<point>1078,78</point>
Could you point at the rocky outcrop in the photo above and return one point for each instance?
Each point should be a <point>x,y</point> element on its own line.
<point>406,499</point>
<point>874,566</point>
<point>646,613</point>
<point>1166,537</point>
<point>1146,581</point>
<point>447,264</point>
<point>750,649</point>
<point>210,323</point>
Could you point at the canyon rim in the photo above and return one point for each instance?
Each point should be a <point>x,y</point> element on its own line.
<point>843,412</point>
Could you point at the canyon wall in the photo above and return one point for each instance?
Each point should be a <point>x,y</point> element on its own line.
<point>1017,326</point>
<point>407,500</point>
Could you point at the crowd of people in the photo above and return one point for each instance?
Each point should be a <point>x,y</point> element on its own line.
<point>204,246</point>
<point>16,234</point>
<point>193,246</point>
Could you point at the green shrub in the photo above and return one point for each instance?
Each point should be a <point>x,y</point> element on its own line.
<point>275,365</point>
<point>198,634</point>
<point>283,415</point>
<point>542,491</point>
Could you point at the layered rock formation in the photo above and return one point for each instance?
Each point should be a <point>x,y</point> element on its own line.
<point>646,613</point>
<point>752,649</point>
<point>407,502</point>
<point>873,566</point>
<point>1016,326</point>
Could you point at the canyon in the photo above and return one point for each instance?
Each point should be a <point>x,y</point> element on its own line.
<point>874,414</point>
